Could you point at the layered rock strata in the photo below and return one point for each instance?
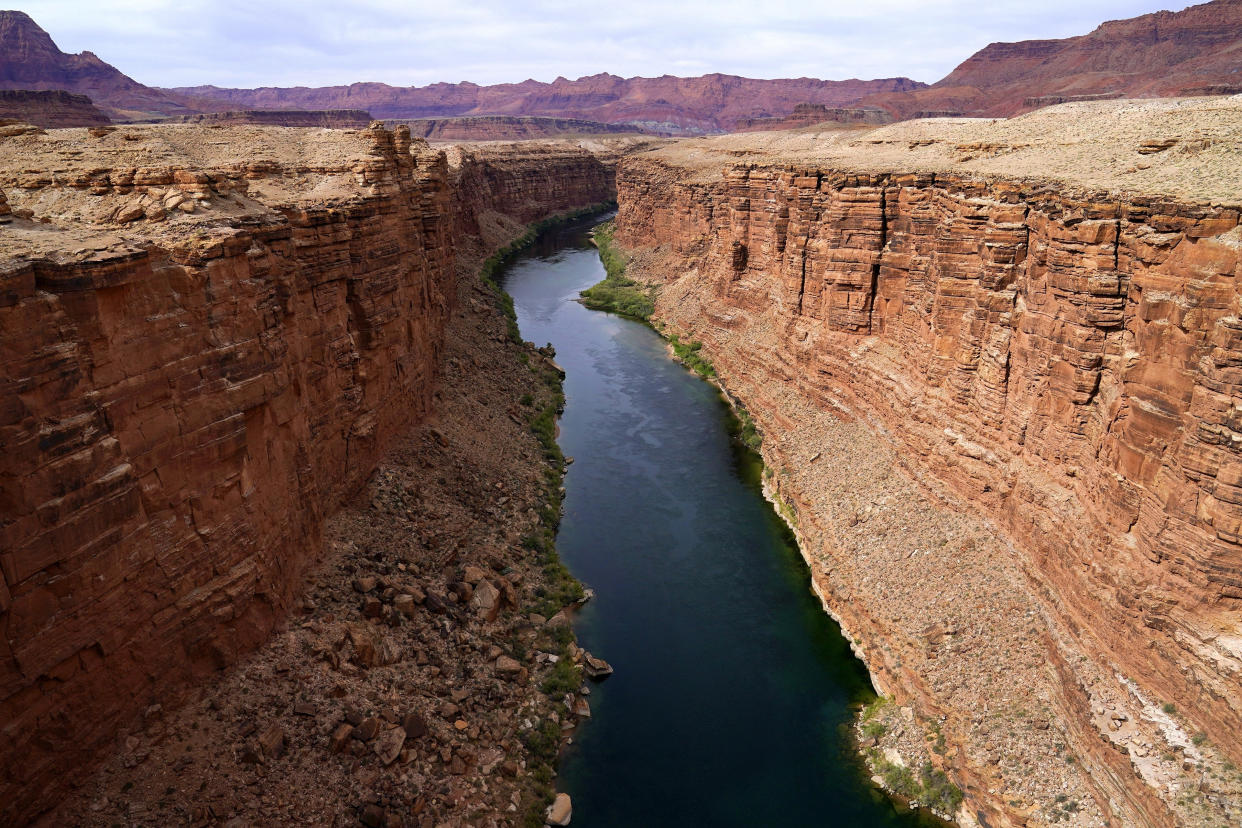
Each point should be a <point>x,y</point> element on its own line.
<point>326,118</point>
<point>1001,412</point>
<point>507,185</point>
<point>805,115</point>
<point>50,109</point>
<point>509,128</point>
<point>208,343</point>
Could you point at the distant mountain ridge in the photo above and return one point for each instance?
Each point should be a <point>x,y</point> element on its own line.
<point>711,103</point>
<point>1195,51</point>
<point>29,59</point>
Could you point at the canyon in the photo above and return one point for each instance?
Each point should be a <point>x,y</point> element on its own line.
<point>279,479</point>
<point>206,352</point>
<point>998,410</point>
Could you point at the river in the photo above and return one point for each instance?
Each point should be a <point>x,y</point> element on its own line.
<point>733,690</point>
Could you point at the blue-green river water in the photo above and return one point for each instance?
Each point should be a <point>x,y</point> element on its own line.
<point>733,689</point>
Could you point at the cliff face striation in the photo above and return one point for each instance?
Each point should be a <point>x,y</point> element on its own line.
<point>205,349</point>
<point>935,353</point>
<point>50,109</point>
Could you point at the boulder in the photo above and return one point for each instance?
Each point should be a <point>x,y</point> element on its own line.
<point>388,745</point>
<point>561,810</point>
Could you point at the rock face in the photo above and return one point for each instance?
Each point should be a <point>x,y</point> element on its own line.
<point>329,118</point>
<point>50,109</point>
<point>515,182</point>
<point>508,128</point>
<point>711,103</point>
<point>186,396</point>
<point>1063,360</point>
<point>1191,52</point>
<point>30,60</point>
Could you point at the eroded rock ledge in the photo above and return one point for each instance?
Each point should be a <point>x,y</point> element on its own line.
<point>208,340</point>
<point>1003,413</point>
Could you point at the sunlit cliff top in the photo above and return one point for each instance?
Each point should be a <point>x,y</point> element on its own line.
<point>1189,148</point>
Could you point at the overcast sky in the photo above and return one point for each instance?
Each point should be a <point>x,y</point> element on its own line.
<point>316,42</point>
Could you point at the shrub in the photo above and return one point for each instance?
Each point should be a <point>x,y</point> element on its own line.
<point>938,791</point>
<point>615,293</point>
<point>565,677</point>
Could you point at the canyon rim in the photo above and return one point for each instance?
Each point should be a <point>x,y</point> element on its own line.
<point>279,479</point>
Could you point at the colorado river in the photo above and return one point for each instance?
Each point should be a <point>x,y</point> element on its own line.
<point>733,690</point>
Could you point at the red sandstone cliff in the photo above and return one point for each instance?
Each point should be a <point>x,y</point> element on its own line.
<point>1064,361</point>
<point>200,358</point>
<point>1197,51</point>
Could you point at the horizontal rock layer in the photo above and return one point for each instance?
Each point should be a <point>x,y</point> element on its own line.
<point>1066,361</point>
<point>50,109</point>
<point>178,418</point>
<point>508,128</point>
<point>328,118</point>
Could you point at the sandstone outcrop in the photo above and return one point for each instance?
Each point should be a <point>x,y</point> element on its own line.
<point>976,352</point>
<point>50,109</point>
<point>208,342</point>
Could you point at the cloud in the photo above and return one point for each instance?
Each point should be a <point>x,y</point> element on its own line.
<point>314,43</point>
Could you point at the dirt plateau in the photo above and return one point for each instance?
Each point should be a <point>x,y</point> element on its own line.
<point>999,389</point>
<point>211,339</point>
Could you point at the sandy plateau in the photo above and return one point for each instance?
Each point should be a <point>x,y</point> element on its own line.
<point>993,364</point>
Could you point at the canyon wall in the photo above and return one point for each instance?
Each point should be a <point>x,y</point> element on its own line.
<point>1065,361</point>
<point>187,395</point>
<point>503,186</point>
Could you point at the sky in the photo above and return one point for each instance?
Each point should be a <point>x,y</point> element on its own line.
<point>249,43</point>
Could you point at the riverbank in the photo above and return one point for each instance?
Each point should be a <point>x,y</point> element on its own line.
<point>413,683</point>
<point>927,787</point>
<point>969,440</point>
